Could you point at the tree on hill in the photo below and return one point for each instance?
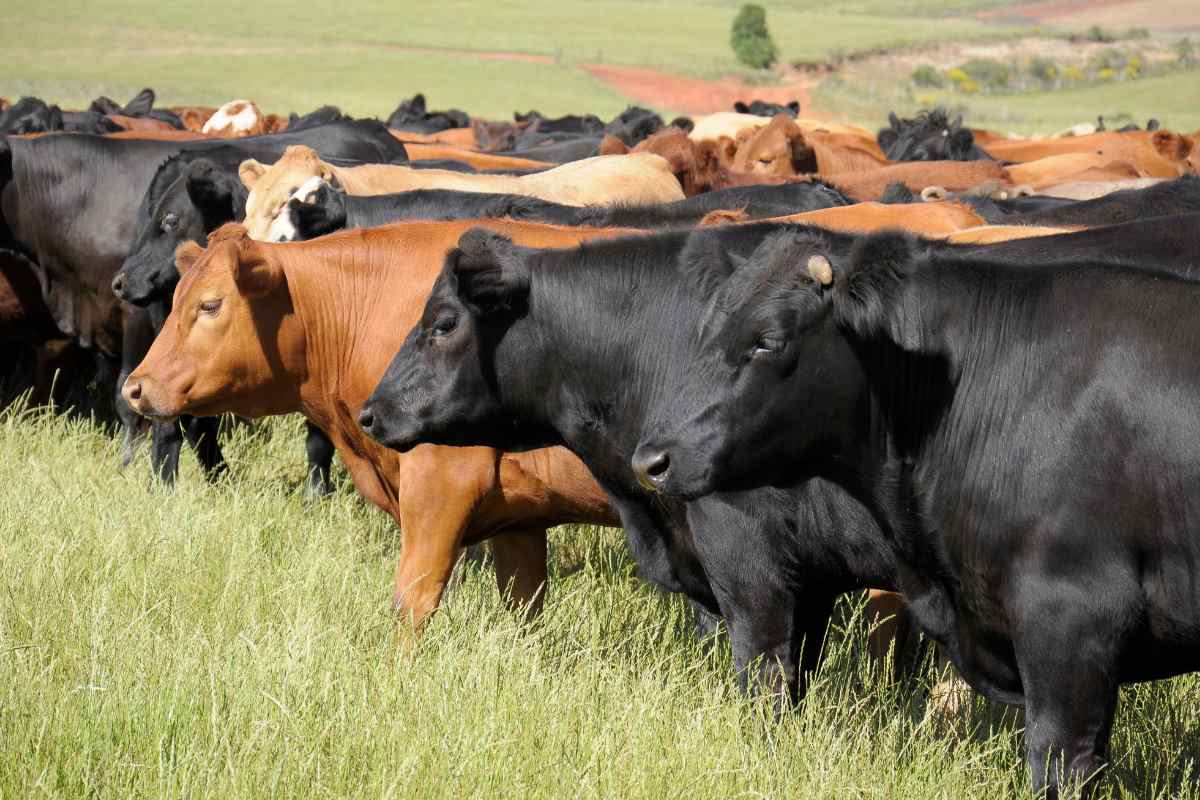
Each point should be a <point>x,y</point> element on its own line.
<point>750,39</point>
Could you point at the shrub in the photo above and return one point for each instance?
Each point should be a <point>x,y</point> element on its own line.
<point>1108,58</point>
<point>1185,51</point>
<point>926,75</point>
<point>1106,74</point>
<point>956,75</point>
<point>988,72</point>
<point>1098,34</point>
<point>1073,74</point>
<point>750,40</point>
<point>1043,69</point>
<point>968,86</point>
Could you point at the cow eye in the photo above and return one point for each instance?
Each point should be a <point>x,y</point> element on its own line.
<point>169,221</point>
<point>445,326</point>
<point>769,345</point>
<point>210,307</point>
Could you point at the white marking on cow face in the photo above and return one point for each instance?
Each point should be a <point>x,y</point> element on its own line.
<point>282,229</point>
<point>237,116</point>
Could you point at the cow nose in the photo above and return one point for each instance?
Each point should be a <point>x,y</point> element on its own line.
<point>118,284</point>
<point>366,419</point>
<point>133,392</point>
<point>651,468</point>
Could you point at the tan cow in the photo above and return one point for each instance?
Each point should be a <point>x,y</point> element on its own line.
<point>1154,154</point>
<point>601,180</point>
<point>784,148</point>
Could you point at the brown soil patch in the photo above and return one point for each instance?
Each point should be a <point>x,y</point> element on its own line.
<point>697,96</point>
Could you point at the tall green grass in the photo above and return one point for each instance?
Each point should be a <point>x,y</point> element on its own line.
<point>234,641</point>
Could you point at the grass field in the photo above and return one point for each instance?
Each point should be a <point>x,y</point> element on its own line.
<point>354,53</point>
<point>234,641</point>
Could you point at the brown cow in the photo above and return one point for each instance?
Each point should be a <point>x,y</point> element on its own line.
<point>193,117</point>
<point>140,123</point>
<point>933,219</point>
<point>692,163</point>
<point>23,312</point>
<point>784,148</point>
<point>481,161</point>
<point>1053,170</point>
<point>953,176</point>
<point>253,332</point>
<point>1155,154</point>
<point>601,180</point>
<point>454,137</point>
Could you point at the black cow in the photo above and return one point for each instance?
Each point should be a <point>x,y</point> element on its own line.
<point>72,204</point>
<point>327,209</point>
<point>521,348</point>
<point>411,115</point>
<point>573,148</point>
<point>929,136</point>
<point>1179,196</point>
<point>1022,431</point>
<point>761,108</point>
<point>633,125</point>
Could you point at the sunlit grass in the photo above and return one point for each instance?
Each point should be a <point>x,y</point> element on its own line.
<point>234,641</point>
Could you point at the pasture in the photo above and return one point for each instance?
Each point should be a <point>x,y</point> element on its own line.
<point>235,641</point>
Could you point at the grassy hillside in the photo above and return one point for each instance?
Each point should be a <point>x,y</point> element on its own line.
<point>233,641</point>
<point>355,53</point>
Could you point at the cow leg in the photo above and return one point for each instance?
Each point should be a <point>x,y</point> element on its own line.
<point>201,434</point>
<point>892,633</point>
<point>708,625</point>
<point>166,440</point>
<point>520,559</point>
<point>131,422</point>
<point>320,451</point>
<point>1067,653</point>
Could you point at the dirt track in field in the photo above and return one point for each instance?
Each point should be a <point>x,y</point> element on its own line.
<point>694,95</point>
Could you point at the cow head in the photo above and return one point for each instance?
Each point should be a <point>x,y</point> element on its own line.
<point>440,387</point>
<point>231,343</point>
<point>272,187</point>
<point>236,118</point>
<point>775,375</point>
<point>202,198</point>
<point>315,209</point>
<point>780,148</point>
<point>1183,152</point>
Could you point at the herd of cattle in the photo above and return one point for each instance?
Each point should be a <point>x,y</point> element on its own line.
<point>791,358</point>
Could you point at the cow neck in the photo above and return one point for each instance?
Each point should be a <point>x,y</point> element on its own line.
<point>609,316</point>
<point>341,291</point>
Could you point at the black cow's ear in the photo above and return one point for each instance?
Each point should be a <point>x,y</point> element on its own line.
<point>794,106</point>
<point>322,212</point>
<point>490,271</point>
<point>741,107</point>
<point>214,192</point>
<point>705,263</point>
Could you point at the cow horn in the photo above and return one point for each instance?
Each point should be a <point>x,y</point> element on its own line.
<point>820,269</point>
<point>933,193</point>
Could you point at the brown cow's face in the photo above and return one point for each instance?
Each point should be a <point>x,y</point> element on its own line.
<point>773,149</point>
<point>220,349</point>
<point>272,187</point>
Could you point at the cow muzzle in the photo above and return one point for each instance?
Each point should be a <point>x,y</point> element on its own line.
<point>651,467</point>
<point>138,393</point>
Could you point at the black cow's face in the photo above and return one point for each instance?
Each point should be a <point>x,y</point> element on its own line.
<point>769,387</point>
<point>193,205</point>
<point>441,386</point>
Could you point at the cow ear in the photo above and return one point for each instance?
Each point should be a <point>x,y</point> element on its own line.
<point>490,271</point>
<point>256,270</point>
<point>705,263</point>
<point>1170,145</point>
<point>186,256</point>
<point>250,171</point>
<point>794,106</point>
<point>213,192</point>
<point>741,107</point>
